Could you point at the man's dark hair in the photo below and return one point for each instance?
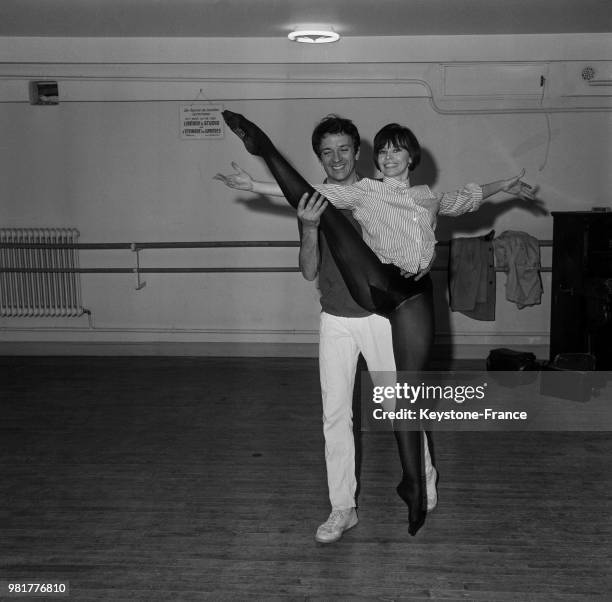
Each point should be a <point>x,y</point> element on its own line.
<point>400,136</point>
<point>333,124</point>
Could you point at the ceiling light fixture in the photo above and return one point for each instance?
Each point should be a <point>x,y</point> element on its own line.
<point>313,34</point>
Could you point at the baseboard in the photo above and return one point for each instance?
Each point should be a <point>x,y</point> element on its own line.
<point>34,340</point>
<point>219,349</point>
<point>161,349</point>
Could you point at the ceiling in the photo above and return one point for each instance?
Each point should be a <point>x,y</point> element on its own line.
<point>275,18</point>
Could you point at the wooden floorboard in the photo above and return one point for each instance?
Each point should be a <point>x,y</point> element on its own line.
<point>204,479</point>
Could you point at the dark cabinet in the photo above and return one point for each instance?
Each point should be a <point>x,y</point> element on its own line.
<point>581,311</point>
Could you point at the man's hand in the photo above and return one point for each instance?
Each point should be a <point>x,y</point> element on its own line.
<point>240,180</point>
<point>309,210</point>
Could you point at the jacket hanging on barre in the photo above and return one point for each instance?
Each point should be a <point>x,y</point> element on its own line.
<point>518,253</point>
<point>471,276</point>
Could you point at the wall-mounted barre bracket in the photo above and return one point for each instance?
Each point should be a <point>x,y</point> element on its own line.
<point>140,284</point>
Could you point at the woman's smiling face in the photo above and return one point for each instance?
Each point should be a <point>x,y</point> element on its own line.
<point>394,161</point>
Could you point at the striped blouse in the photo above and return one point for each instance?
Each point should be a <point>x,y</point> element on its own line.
<point>398,220</point>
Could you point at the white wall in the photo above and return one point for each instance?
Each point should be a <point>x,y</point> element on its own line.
<point>119,172</point>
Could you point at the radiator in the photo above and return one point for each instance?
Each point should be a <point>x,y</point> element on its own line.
<point>42,288</point>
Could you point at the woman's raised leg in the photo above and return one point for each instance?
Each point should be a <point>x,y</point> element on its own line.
<point>377,287</point>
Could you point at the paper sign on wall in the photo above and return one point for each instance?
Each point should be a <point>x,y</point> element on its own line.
<point>202,121</point>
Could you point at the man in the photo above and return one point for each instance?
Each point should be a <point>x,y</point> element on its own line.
<point>346,329</point>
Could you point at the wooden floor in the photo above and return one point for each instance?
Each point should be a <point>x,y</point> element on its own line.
<point>204,479</point>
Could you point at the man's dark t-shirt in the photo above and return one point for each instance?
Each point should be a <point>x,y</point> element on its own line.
<point>335,297</point>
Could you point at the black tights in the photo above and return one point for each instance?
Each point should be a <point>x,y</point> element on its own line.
<point>377,287</point>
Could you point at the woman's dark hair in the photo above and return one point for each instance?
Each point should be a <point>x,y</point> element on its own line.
<point>400,136</point>
<point>332,124</point>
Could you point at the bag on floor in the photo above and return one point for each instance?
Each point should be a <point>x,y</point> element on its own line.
<point>501,360</point>
<point>513,368</point>
<point>571,376</point>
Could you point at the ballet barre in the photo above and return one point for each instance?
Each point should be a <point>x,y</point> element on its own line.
<point>136,247</point>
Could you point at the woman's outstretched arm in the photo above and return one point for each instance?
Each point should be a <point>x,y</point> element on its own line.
<point>513,185</point>
<point>470,197</point>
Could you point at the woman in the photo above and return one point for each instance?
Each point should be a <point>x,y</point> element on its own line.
<point>374,276</point>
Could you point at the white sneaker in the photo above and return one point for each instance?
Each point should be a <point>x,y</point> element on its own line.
<point>338,522</point>
<point>432,491</point>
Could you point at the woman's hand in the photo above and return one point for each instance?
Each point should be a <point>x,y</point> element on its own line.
<point>309,210</point>
<point>240,180</point>
<point>517,187</point>
<point>421,272</point>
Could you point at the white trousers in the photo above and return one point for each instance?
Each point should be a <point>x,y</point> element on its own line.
<point>340,342</point>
